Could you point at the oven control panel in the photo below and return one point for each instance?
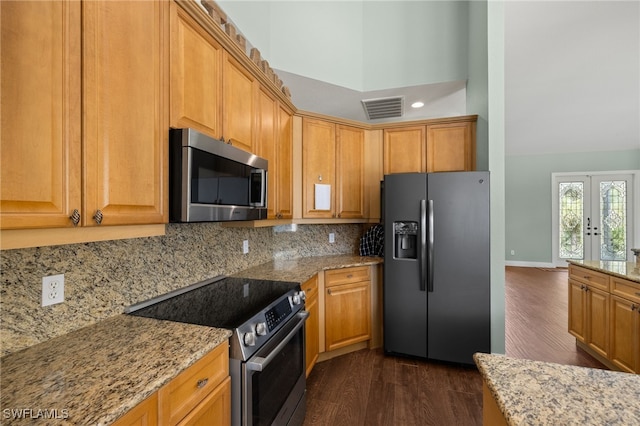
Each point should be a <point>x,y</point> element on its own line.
<point>278,313</point>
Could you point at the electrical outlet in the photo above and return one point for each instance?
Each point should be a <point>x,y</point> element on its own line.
<point>332,237</point>
<point>245,246</point>
<point>52,289</point>
<point>513,252</point>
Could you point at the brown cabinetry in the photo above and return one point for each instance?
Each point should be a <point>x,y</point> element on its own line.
<point>347,306</point>
<point>143,414</point>
<point>333,155</point>
<point>275,144</point>
<point>589,308</point>
<point>625,325</point>
<point>200,395</point>
<point>604,316</point>
<point>449,145</point>
<point>196,75</point>
<point>111,58</point>
<point>312,325</point>
<point>239,104</point>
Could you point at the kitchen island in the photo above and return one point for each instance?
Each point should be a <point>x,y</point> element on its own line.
<point>604,311</point>
<point>525,392</point>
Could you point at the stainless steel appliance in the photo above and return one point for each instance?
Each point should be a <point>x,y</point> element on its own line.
<point>211,181</point>
<point>437,265</point>
<point>267,349</point>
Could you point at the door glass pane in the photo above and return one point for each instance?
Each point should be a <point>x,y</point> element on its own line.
<point>613,220</point>
<point>571,220</point>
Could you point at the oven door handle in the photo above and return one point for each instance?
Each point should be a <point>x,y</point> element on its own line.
<point>259,363</point>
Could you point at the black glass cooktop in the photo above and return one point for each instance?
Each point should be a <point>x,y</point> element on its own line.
<point>227,303</point>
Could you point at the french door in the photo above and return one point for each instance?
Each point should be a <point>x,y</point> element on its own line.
<point>592,217</point>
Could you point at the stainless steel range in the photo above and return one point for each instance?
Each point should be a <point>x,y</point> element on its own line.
<point>267,350</point>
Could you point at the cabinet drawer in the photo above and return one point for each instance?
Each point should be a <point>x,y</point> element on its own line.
<point>347,275</point>
<point>589,276</point>
<point>310,286</point>
<point>625,288</point>
<point>182,394</point>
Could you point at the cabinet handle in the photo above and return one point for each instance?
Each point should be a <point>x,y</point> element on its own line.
<point>350,276</point>
<point>202,382</point>
<point>98,217</point>
<point>633,307</point>
<point>328,291</point>
<point>587,277</point>
<point>320,178</point>
<point>75,217</point>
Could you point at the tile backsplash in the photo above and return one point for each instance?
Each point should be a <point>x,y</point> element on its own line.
<point>102,278</point>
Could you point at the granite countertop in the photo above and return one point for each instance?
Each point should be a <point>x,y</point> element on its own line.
<point>301,269</point>
<point>96,374</point>
<point>541,393</point>
<point>627,270</point>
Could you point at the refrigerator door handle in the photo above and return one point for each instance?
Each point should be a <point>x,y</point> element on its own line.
<point>423,244</point>
<point>430,246</point>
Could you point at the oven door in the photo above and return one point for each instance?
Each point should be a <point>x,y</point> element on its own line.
<point>274,379</point>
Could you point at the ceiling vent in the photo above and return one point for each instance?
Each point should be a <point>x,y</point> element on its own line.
<point>383,107</point>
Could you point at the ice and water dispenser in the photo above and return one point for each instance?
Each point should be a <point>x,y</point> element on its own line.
<point>405,240</point>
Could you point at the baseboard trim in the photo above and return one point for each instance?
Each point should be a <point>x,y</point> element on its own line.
<point>530,264</point>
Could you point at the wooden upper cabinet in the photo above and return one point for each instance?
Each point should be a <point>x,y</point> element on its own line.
<point>125,111</point>
<point>40,140</point>
<point>318,165</point>
<point>434,147</point>
<point>267,145</point>
<point>196,76</point>
<point>284,166</point>
<point>239,104</point>
<point>350,185</point>
<point>404,150</point>
<point>451,147</point>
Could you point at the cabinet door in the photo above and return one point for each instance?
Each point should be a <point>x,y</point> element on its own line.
<point>347,314</point>
<point>318,165</point>
<point>214,410</point>
<point>239,110</point>
<point>349,172</point>
<point>284,178</point>
<point>451,147</point>
<point>143,414</point>
<point>577,310</point>
<point>40,142</point>
<point>625,327</point>
<point>196,76</point>
<point>404,150</point>
<point>266,146</point>
<point>125,116</point>
<point>312,325</point>
<point>598,320</point>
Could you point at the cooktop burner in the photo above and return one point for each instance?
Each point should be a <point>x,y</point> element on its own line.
<point>224,302</point>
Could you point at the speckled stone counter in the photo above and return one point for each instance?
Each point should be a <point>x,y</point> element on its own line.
<point>627,270</point>
<point>301,269</point>
<point>540,393</point>
<point>94,375</point>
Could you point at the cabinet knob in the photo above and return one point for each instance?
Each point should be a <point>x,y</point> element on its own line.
<point>320,178</point>
<point>98,217</point>
<point>202,383</point>
<point>75,217</point>
<point>328,291</point>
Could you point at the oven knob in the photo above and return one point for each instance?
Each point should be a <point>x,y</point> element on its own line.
<point>249,339</point>
<point>261,328</point>
<point>298,297</point>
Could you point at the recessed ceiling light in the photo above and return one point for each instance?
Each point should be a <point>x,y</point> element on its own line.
<point>417,104</point>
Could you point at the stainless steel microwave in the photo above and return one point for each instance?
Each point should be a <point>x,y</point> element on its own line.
<point>212,181</point>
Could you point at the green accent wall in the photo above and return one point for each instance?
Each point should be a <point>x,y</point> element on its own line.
<point>528,196</point>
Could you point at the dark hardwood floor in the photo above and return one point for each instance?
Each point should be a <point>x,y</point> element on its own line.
<point>369,388</point>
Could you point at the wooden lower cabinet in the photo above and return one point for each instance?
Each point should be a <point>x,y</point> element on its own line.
<point>214,410</point>
<point>604,317</point>
<point>347,306</point>
<point>143,414</point>
<point>312,325</point>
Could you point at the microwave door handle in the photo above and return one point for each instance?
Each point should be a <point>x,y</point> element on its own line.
<point>260,363</point>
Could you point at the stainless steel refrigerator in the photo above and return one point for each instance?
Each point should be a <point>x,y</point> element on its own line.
<point>437,265</point>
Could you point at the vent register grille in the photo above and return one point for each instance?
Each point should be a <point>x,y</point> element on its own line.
<point>383,107</point>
